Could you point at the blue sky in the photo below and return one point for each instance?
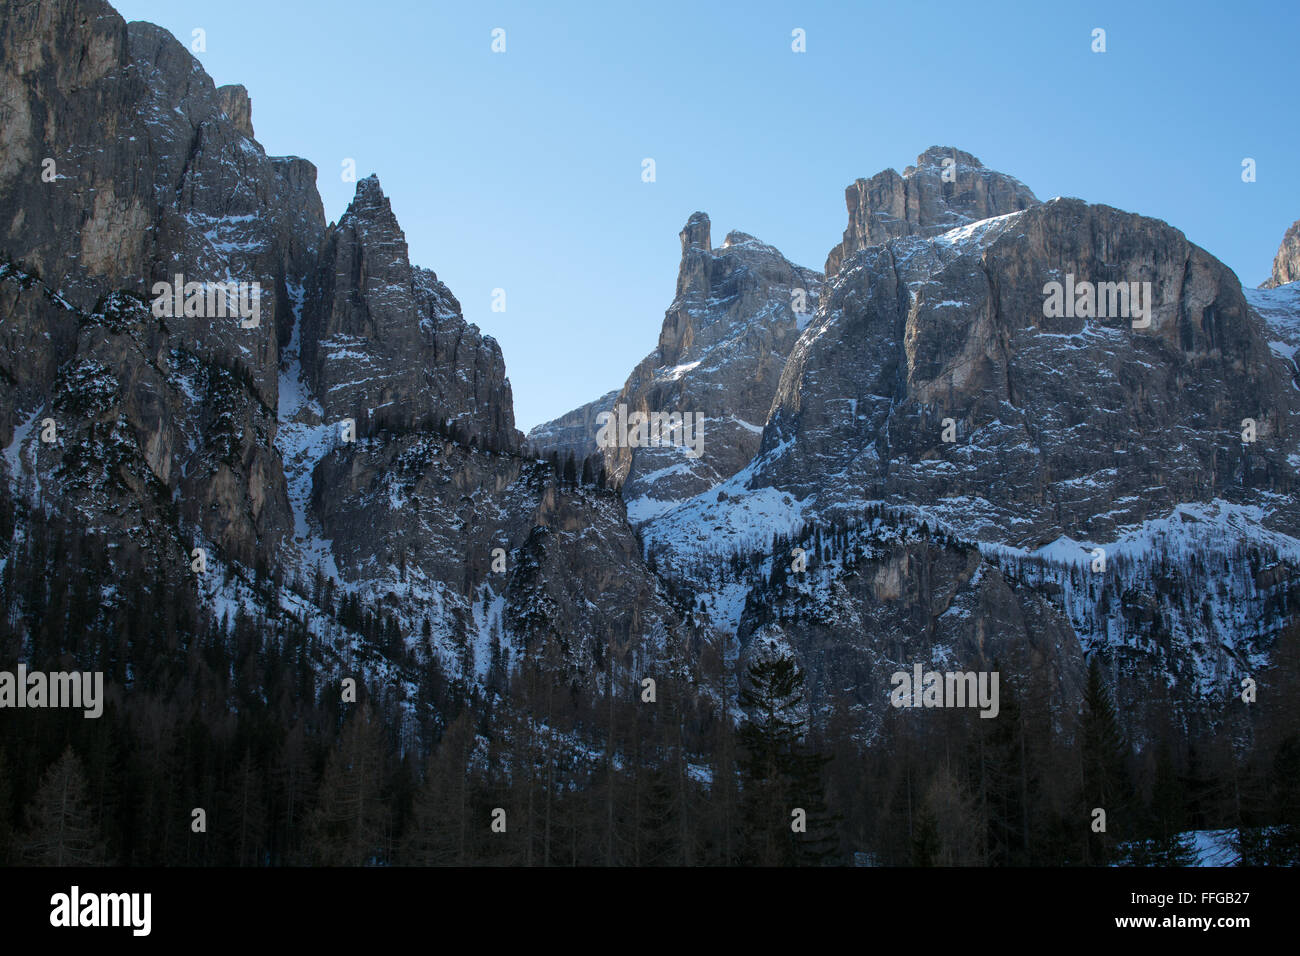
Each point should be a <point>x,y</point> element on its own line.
<point>522,170</point>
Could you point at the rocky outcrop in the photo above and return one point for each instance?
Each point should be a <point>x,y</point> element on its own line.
<point>414,520</point>
<point>147,442</point>
<point>737,312</point>
<point>1286,264</point>
<point>385,342</point>
<point>946,188</point>
<point>1048,413</point>
<point>237,107</point>
<point>1279,308</point>
<point>124,166</point>
<point>902,599</point>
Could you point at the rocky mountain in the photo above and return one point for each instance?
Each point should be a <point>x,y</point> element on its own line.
<point>1279,307</point>
<point>736,314</point>
<point>382,339</point>
<point>346,423</point>
<point>121,169</point>
<point>936,385</point>
<point>1045,409</point>
<point>925,455</point>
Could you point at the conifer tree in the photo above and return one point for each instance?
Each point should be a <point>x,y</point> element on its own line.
<point>349,823</point>
<point>1171,845</point>
<point>777,778</point>
<point>245,804</point>
<point>61,829</point>
<point>1105,776</point>
<point>1283,837</point>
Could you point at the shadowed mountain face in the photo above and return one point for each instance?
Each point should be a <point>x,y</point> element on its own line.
<point>573,434</point>
<point>384,340</point>
<point>122,168</point>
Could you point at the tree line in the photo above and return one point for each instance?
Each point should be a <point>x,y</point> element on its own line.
<point>717,764</point>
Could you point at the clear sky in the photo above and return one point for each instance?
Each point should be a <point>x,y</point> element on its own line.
<point>522,170</point>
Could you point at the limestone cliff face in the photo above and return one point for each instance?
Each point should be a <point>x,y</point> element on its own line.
<point>1286,264</point>
<point>237,107</point>
<point>1062,425</point>
<point>945,189</point>
<point>414,521</point>
<point>723,344</point>
<point>123,165</point>
<point>152,444</point>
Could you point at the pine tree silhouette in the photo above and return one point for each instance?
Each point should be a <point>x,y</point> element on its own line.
<point>61,829</point>
<point>1106,782</point>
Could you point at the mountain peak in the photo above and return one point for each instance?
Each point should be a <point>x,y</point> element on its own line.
<point>693,274</point>
<point>738,238</point>
<point>947,187</point>
<point>938,156</point>
<point>696,232</point>
<point>369,191</point>
<point>371,215</point>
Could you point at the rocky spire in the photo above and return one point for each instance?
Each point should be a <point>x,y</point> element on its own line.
<point>693,275</point>
<point>237,107</point>
<point>385,340</point>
